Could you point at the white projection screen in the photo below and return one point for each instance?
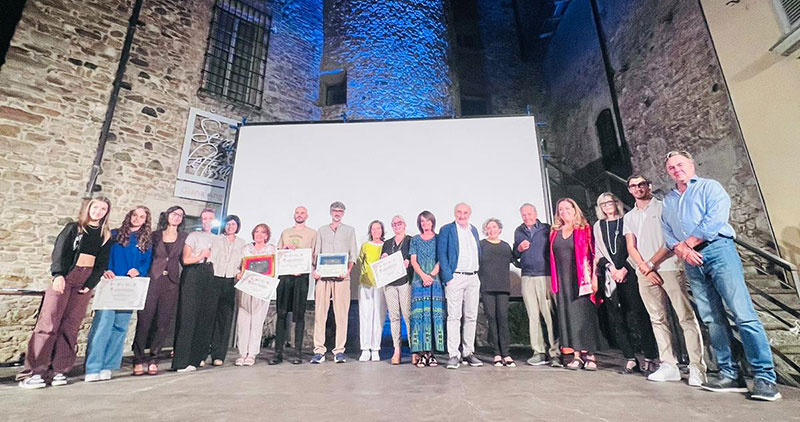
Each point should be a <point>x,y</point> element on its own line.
<point>381,169</point>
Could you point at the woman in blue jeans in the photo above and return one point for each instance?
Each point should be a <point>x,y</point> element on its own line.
<point>130,256</point>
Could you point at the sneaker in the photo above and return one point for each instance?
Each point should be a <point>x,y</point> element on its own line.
<point>764,390</point>
<point>364,356</point>
<point>189,368</point>
<point>318,358</point>
<point>277,359</point>
<point>340,358</point>
<point>59,379</point>
<point>473,360</point>
<point>33,382</point>
<point>696,377</point>
<point>722,384</point>
<point>105,375</point>
<point>91,377</point>
<point>665,372</point>
<point>537,359</point>
<point>454,362</point>
<point>376,356</point>
<point>556,362</point>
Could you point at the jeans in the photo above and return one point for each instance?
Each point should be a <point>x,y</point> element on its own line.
<point>720,280</point>
<point>106,340</point>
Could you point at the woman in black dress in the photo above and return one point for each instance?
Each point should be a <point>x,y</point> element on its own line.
<point>574,283</point>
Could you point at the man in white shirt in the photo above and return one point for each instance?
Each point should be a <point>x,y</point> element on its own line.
<point>660,278</point>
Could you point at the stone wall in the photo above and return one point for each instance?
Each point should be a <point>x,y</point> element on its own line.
<point>54,91</point>
<point>671,96</point>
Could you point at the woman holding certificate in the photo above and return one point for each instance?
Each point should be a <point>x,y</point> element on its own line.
<point>398,292</point>
<point>227,252</point>
<point>252,311</point>
<point>574,282</point>
<point>427,295</point>
<point>80,257</point>
<point>162,293</point>
<point>371,302</point>
<point>130,257</point>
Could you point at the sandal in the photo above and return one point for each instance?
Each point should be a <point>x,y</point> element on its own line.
<point>498,361</point>
<point>152,369</point>
<point>648,366</point>
<point>627,369</point>
<point>414,358</point>
<point>591,364</point>
<point>138,369</point>
<point>396,359</point>
<point>432,361</point>
<point>509,362</point>
<point>577,363</point>
<point>422,362</point>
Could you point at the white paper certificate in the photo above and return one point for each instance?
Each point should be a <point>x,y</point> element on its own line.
<point>121,293</point>
<point>258,285</point>
<point>388,269</point>
<point>293,261</point>
<point>331,264</point>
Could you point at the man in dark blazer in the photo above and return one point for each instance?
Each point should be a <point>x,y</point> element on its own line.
<point>458,250</point>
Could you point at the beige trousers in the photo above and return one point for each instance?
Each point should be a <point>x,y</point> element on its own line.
<point>340,291</point>
<point>676,289</point>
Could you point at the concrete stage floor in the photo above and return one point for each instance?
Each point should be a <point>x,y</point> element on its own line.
<point>377,391</point>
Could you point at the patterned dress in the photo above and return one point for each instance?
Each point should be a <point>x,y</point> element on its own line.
<point>428,308</point>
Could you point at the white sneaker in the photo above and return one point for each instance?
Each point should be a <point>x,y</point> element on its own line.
<point>376,357</point>
<point>665,372</point>
<point>696,377</point>
<point>365,355</point>
<point>59,379</point>
<point>105,375</point>
<point>91,378</point>
<point>33,382</point>
<point>189,368</point>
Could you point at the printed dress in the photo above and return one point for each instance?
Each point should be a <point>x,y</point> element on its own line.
<point>428,308</point>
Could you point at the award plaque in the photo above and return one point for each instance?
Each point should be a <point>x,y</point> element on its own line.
<point>262,264</point>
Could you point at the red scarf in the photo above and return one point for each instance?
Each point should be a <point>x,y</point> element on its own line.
<point>584,257</point>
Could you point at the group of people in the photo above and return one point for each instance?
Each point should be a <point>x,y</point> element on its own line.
<point>629,260</point>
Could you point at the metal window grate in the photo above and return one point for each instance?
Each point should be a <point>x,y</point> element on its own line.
<point>788,13</point>
<point>236,55</point>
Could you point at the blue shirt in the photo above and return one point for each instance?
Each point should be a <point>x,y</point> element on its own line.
<point>123,258</point>
<point>701,211</point>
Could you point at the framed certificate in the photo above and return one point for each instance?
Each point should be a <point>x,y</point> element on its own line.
<point>293,261</point>
<point>332,264</point>
<point>121,293</point>
<point>262,264</point>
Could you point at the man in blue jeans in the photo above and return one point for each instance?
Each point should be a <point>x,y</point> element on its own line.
<point>695,223</point>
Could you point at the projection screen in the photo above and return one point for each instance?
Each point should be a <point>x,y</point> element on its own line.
<point>381,169</point>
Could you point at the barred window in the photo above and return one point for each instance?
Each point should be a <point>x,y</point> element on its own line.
<point>236,55</point>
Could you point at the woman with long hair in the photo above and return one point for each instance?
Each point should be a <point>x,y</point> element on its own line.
<point>252,310</point>
<point>428,309</point>
<point>626,312</point>
<point>130,257</point>
<point>574,282</point>
<point>371,302</point>
<point>80,257</point>
<point>162,293</point>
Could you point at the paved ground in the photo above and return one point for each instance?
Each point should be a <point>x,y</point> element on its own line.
<point>377,391</point>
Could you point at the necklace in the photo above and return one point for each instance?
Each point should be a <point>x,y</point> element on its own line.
<point>612,245</point>
<point>396,247</point>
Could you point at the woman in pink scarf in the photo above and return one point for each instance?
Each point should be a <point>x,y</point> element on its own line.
<point>574,284</point>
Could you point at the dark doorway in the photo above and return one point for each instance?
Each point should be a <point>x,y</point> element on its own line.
<point>615,158</point>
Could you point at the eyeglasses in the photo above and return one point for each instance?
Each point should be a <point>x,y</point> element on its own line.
<point>398,223</point>
<point>640,185</point>
<point>674,153</point>
<point>611,202</point>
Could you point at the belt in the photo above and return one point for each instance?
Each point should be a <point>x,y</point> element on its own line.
<point>465,272</point>
<point>702,245</point>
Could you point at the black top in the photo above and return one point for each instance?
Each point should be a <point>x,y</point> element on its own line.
<point>614,242</point>
<point>390,247</point>
<point>68,247</point>
<point>493,270</point>
<point>91,241</point>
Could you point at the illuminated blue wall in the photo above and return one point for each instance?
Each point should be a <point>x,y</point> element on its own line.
<point>396,55</point>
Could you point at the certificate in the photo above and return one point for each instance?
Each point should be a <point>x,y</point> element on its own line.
<point>293,261</point>
<point>262,264</point>
<point>121,293</point>
<point>258,285</point>
<point>331,264</point>
<point>389,269</point>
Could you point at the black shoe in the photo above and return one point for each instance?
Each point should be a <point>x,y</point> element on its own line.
<point>722,384</point>
<point>297,361</point>
<point>764,390</point>
<point>276,360</point>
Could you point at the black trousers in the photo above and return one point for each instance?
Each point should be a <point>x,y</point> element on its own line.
<point>159,309</point>
<point>220,304</point>
<point>630,321</point>
<point>291,297</point>
<point>191,342</point>
<point>495,305</point>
